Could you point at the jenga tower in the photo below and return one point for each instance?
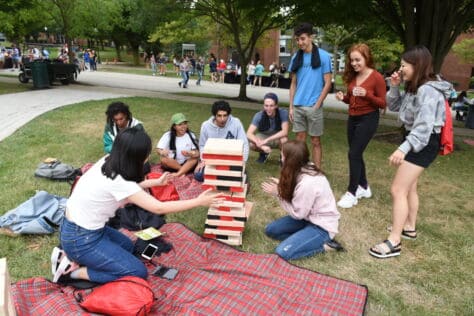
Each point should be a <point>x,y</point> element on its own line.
<point>225,172</point>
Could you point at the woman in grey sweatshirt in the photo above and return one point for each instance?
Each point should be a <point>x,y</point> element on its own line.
<point>422,111</point>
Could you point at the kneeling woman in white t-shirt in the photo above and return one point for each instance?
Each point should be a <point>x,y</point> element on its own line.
<point>104,253</point>
<point>178,148</point>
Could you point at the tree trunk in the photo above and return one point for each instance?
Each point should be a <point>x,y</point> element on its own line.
<point>136,54</point>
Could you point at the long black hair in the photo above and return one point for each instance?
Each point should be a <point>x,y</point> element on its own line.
<point>131,148</point>
<point>115,108</point>
<point>173,139</point>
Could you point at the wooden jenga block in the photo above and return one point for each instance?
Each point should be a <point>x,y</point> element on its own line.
<point>225,232</point>
<point>237,212</point>
<point>230,240</point>
<point>222,188</point>
<point>6,300</point>
<point>221,146</point>
<point>213,181</point>
<point>221,221</point>
<point>231,171</point>
<point>221,162</point>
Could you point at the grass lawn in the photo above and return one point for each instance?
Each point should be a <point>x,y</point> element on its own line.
<point>7,87</point>
<point>433,276</point>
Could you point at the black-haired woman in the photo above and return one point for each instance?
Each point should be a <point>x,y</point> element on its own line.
<point>178,148</point>
<point>104,254</point>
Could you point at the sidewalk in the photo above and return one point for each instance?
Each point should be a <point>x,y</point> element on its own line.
<point>20,108</point>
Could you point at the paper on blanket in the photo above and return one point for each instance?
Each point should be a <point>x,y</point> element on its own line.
<point>148,233</point>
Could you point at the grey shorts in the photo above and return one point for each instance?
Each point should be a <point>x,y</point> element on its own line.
<point>273,144</point>
<point>308,120</point>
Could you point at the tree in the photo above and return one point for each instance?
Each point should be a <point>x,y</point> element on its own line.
<point>336,35</point>
<point>386,53</point>
<point>64,14</point>
<point>433,23</point>
<point>465,50</point>
<point>246,21</point>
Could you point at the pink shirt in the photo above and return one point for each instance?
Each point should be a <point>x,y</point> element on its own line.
<point>314,201</point>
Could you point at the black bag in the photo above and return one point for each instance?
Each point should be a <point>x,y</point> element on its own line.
<point>133,217</point>
<point>161,245</point>
<point>56,170</point>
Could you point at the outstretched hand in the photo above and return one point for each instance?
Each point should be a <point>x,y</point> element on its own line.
<point>271,186</point>
<point>210,198</point>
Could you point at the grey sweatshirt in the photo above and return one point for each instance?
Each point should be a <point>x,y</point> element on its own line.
<point>421,113</point>
<point>233,129</point>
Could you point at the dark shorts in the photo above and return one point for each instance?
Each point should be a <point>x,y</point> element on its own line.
<point>427,155</point>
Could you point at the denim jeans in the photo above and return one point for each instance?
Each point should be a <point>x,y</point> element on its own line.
<point>360,130</point>
<point>106,253</point>
<point>300,238</point>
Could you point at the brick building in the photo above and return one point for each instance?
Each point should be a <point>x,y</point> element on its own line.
<point>454,70</point>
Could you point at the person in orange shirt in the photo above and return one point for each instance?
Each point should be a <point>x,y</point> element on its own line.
<point>365,95</point>
<point>221,67</point>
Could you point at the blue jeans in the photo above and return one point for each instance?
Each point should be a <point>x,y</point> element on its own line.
<point>106,253</point>
<point>300,237</point>
<point>185,76</point>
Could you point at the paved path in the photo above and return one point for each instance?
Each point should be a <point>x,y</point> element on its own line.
<point>19,108</point>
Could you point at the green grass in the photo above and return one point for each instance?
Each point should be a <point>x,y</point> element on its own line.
<point>433,276</point>
<point>7,87</point>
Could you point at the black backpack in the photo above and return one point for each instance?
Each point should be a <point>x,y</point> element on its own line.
<point>56,170</point>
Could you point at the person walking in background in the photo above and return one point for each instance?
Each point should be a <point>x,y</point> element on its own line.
<point>93,60</point>
<point>305,194</point>
<point>311,78</point>
<point>213,70</point>
<point>153,64</point>
<point>184,68</point>
<point>421,109</point>
<point>365,96</point>
<point>221,68</point>
<point>271,128</point>
<point>162,64</point>
<point>275,75</point>
<point>250,72</point>
<point>258,73</point>
<point>200,70</point>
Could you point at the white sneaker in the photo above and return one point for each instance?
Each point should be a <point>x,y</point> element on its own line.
<point>348,200</point>
<point>363,193</point>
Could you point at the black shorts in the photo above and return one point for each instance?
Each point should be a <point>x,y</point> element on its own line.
<point>427,155</point>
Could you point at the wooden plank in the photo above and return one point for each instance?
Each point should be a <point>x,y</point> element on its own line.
<point>222,162</point>
<point>222,232</point>
<point>224,146</point>
<point>223,171</point>
<point>6,300</point>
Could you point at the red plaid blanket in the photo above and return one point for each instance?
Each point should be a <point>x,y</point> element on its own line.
<point>216,279</point>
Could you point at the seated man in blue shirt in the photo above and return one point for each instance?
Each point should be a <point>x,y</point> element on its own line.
<point>269,128</point>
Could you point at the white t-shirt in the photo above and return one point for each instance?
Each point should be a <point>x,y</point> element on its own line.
<point>96,198</point>
<point>182,143</point>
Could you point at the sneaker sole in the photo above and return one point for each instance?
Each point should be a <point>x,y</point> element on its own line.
<point>55,259</point>
<point>63,266</point>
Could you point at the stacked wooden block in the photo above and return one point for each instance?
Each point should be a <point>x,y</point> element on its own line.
<point>225,172</point>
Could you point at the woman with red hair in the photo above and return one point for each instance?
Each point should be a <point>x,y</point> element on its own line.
<point>365,95</point>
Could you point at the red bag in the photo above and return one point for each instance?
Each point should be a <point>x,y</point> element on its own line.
<point>447,135</point>
<point>163,193</point>
<point>123,297</point>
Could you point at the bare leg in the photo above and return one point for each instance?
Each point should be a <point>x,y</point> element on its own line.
<point>402,194</point>
<point>413,203</point>
<point>189,165</point>
<point>317,150</point>
<point>170,163</point>
<point>80,273</point>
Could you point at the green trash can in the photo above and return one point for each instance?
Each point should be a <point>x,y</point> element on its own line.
<point>39,71</point>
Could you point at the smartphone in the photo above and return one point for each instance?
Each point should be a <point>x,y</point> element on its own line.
<point>149,251</point>
<point>165,272</point>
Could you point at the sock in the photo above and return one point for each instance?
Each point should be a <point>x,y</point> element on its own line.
<point>75,274</point>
